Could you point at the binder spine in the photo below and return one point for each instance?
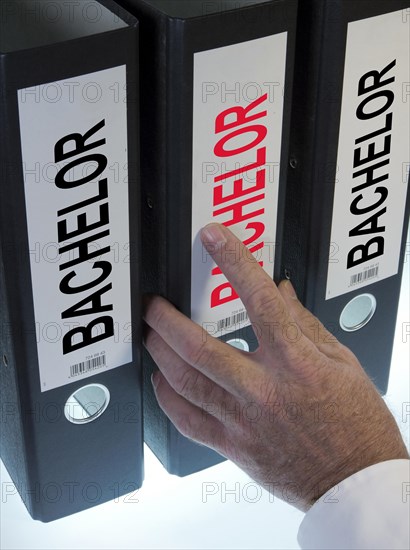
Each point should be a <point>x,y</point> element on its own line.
<point>16,433</point>
<point>12,435</point>
<point>153,97</point>
<point>299,194</point>
<point>63,457</point>
<point>319,180</point>
<point>173,35</point>
<point>178,173</point>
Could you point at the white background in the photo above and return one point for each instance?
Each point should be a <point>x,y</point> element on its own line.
<point>170,512</point>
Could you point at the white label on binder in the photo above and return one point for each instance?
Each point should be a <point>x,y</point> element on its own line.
<point>238,112</point>
<point>373,155</point>
<point>74,149</point>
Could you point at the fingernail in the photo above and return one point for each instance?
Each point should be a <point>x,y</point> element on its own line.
<point>290,290</point>
<point>155,379</point>
<point>213,235</point>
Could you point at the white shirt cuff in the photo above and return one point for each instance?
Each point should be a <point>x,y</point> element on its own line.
<point>368,510</point>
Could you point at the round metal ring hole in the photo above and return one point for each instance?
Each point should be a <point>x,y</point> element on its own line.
<point>358,312</point>
<point>239,343</point>
<point>87,403</point>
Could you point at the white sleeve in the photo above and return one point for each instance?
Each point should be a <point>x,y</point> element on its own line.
<point>368,510</point>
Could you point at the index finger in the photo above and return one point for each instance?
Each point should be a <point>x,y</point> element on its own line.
<point>223,364</point>
<point>264,303</point>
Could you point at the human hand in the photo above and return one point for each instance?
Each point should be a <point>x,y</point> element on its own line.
<point>298,415</point>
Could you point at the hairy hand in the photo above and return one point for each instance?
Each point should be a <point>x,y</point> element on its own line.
<point>299,415</point>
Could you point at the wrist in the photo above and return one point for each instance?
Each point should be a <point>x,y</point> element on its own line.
<point>356,462</point>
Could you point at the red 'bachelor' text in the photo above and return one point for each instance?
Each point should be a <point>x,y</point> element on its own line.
<point>246,125</point>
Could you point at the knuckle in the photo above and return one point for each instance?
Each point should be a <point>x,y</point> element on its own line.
<point>199,431</point>
<point>200,355</point>
<point>268,393</point>
<point>185,426</point>
<point>185,385</point>
<point>303,358</point>
<point>347,357</point>
<point>306,318</point>
<point>261,297</point>
<point>216,439</point>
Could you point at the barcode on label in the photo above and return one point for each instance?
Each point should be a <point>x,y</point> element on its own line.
<point>364,275</point>
<point>228,322</point>
<point>86,366</point>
